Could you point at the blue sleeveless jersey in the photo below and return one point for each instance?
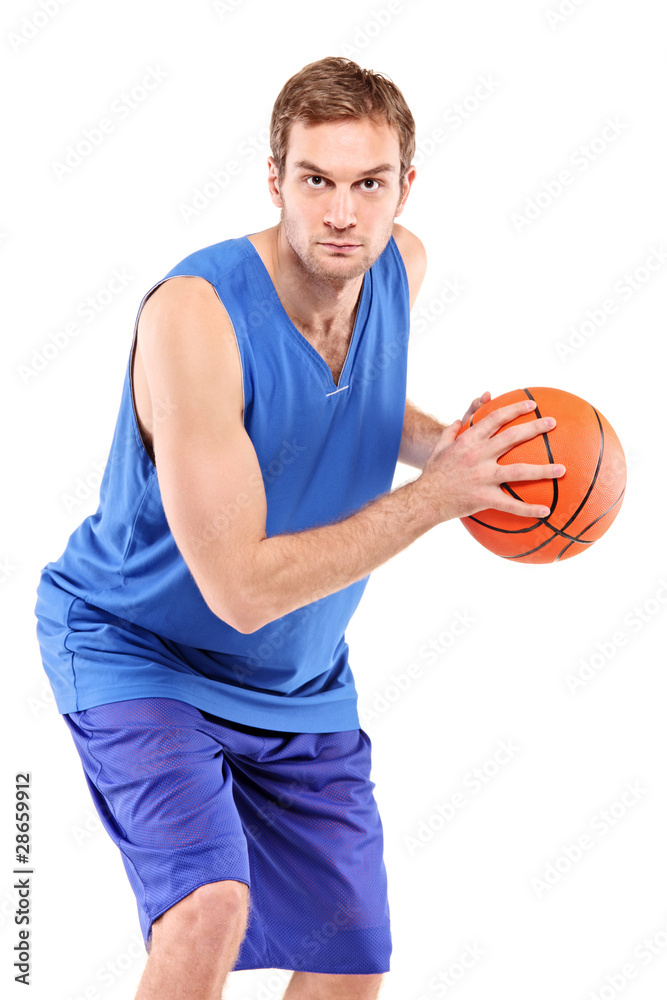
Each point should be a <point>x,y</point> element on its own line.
<point>119,615</point>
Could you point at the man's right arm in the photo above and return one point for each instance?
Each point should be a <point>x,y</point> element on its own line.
<point>213,493</point>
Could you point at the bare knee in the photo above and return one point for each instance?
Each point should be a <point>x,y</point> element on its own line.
<point>214,911</point>
<point>325,986</point>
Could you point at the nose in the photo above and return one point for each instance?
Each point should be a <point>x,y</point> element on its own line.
<point>340,212</point>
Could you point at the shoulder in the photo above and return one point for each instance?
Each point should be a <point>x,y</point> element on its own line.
<point>413,252</point>
<point>175,295</point>
<point>216,259</point>
<point>200,278</point>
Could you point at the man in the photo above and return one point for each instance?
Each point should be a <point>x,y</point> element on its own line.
<point>193,629</point>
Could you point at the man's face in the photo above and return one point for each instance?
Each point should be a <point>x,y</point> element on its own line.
<point>339,195</point>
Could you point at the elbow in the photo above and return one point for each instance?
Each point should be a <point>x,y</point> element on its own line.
<point>242,612</point>
<point>241,618</point>
<point>240,600</point>
<point>247,622</point>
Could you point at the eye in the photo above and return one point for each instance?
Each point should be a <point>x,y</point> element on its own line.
<point>370,180</point>
<point>315,177</point>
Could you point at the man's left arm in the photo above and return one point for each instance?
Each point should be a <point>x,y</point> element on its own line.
<point>420,430</point>
<point>420,436</point>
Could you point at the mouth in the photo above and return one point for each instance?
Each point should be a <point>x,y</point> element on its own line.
<point>341,247</point>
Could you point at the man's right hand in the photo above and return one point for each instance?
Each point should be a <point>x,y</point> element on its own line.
<point>462,474</point>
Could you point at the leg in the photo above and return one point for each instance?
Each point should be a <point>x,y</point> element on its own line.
<point>164,792</point>
<point>316,847</point>
<point>320,986</point>
<point>195,944</point>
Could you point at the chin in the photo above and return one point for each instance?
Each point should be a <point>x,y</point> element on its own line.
<point>340,268</point>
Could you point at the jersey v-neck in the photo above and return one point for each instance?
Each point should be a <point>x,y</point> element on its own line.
<point>316,358</point>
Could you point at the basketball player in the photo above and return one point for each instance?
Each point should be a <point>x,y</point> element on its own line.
<point>193,630</point>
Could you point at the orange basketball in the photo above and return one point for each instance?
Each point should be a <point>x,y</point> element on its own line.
<point>583,502</point>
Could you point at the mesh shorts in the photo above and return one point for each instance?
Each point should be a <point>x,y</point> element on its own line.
<point>189,798</point>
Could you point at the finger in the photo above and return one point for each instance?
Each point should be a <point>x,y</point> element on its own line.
<point>523,472</point>
<point>506,440</point>
<point>537,511</point>
<point>492,422</point>
<point>448,435</point>
<point>510,505</point>
<point>484,398</point>
<point>475,405</point>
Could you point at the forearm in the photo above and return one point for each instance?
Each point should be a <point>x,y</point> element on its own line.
<point>420,434</point>
<point>288,571</point>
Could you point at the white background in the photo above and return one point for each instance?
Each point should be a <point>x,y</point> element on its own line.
<point>555,83</point>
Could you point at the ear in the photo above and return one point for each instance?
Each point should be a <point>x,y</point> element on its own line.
<point>274,190</point>
<point>407,184</point>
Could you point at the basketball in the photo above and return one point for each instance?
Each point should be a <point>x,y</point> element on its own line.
<point>583,503</point>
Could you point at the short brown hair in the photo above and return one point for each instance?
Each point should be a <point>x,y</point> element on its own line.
<point>335,88</point>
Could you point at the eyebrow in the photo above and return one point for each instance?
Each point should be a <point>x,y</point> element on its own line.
<point>383,168</point>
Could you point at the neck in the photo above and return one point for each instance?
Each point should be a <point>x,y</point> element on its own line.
<point>312,301</point>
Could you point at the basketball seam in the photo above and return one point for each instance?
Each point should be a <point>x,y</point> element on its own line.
<point>578,539</point>
<point>508,488</point>
<point>519,531</point>
<point>545,438</point>
<point>542,544</point>
<point>595,475</point>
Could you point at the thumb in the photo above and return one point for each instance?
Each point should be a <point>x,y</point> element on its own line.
<point>448,436</point>
<point>453,429</point>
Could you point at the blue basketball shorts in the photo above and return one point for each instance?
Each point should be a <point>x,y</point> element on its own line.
<point>189,798</point>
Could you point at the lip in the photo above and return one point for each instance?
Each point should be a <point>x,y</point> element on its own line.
<point>344,247</point>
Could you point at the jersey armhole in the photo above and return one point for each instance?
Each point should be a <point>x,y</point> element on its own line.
<point>402,270</point>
